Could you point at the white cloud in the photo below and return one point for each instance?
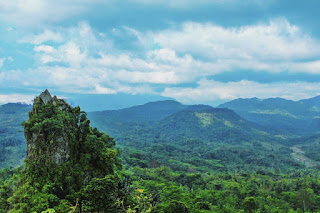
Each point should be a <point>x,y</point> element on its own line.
<point>148,77</point>
<point>310,67</point>
<point>278,40</point>
<point>160,66</point>
<point>71,53</point>
<point>104,90</point>
<point>47,35</point>
<point>273,47</point>
<point>2,61</point>
<point>211,91</point>
<point>75,43</point>
<point>85,62</point>
<point>44,48</point>
<point>14,98</point>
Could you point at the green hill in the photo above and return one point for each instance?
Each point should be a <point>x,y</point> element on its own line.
<point>148,112</point>
<point>198,137</point>
<point>214,124</point>
<point>284,116</point>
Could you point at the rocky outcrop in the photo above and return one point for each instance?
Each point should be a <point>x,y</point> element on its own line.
<point>66,162</point>
<point>46,97</point>
<point>48,136</point>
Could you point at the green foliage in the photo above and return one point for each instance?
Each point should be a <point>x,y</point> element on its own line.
<point>100,195</point>
<point>198,160</point>
<point>176,207</point>
<point>249,204</point>
<point>182,142</point>
<point>245,192</point>
<point>140,201</point>
<point>8,179</point>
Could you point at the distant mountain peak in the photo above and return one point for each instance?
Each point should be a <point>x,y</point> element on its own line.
<point>169,102</point>
<point>199,107</point>
<point>315,101</point>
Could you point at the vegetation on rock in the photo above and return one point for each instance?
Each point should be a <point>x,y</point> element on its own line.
<point>68,165</point>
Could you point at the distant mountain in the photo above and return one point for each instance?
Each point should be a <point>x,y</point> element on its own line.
<point>214,125</point>
<point>172,119</point>
<point>146,112</point>
<point>198,134</point>
<point>315,101</point>
<point>284,116</point>
<point>99,102</point>
<point>12,143</point>
<point>192,136</point>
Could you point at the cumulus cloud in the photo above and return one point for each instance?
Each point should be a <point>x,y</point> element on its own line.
<point>44,48</point>
<point>278,40</point>
<point>209,91</point>
<point>276,46</point>
<point>71,47</point>
<point>104,90</point>
<point>69,53</point>
<point>80,59</point>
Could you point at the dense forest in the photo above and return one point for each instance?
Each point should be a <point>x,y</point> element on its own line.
<point>159,157</point>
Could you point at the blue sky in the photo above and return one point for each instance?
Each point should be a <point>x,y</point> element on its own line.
<point>204,51</point>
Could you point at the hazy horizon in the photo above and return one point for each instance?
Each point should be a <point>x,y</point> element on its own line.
<point>100,102</point>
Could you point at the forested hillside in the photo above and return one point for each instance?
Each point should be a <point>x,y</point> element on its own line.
<point>292,118</point>
<point>167,158</point>
<point>198,138</point>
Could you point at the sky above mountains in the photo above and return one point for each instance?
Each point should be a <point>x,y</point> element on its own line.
<point>204,51</point>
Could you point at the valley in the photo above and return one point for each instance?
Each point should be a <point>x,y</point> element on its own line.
<point>299,155</point>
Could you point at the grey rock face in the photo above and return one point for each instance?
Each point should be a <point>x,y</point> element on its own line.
<point>46,97</point>
<point>61,152</point>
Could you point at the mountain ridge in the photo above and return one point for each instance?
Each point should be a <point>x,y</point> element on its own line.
<point>290,117</point>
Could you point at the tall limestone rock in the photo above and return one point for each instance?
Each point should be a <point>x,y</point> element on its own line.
<point>51,141</point>
<point>68,163</point>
